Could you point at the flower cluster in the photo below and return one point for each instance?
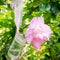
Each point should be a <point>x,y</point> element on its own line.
<point>37,32</point>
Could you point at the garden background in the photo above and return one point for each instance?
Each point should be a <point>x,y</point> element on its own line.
<point>49,9</point>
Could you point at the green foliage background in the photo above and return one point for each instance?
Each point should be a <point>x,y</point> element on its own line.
<point>50,9</point>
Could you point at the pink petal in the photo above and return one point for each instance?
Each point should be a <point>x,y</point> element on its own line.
<point>36,21</point>
<point>37,43</point>
<point>29,39</point>
<point>38,32</point>
<point>41,20</point>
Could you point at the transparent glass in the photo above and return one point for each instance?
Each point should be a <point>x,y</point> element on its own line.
<point>17,46</point>
<point>19,41</point>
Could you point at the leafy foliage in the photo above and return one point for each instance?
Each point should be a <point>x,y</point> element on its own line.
<point>7,28</point>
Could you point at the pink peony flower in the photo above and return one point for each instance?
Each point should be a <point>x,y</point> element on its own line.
<point>37,32</point>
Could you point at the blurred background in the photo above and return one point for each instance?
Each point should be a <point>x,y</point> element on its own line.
<point>49,9</point>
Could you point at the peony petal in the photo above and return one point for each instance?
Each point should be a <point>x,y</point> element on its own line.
<point>38,32</point>
<point>37,43</point>
<point>36,21</point>
<point>29,39</point>
<point>41,20</point>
